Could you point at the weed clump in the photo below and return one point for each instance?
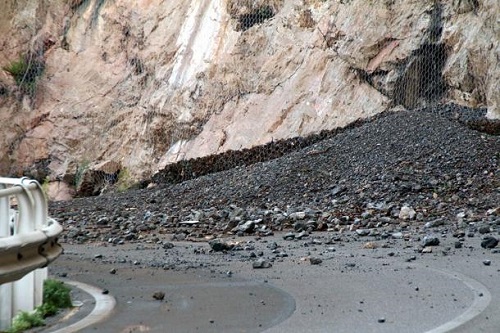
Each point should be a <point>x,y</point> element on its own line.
<point>26,72</point>
<point>56,296</point>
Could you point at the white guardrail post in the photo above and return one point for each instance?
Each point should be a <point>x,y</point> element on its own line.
<point>28,243</point>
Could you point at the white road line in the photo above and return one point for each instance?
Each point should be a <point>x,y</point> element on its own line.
<point>482,299</point>
<point>104,305</point>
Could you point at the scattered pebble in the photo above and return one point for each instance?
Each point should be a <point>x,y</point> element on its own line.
<point>430,241</point>
<point>168,245</point>
<point>217,245</point>
<point>159,295</point>
<point>370,245</point>
<point>315,260</point>
<point>261,263</point>
<point>427,249</point>
<point>489,242</point>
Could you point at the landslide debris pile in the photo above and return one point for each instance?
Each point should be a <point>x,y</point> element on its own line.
<point>406,169</point>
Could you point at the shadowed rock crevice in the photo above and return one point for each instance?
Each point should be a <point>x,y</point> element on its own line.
<point>259,15</point>
<point>420,81</point>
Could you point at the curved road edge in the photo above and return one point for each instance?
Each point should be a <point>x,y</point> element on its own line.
<point>104,305</point>
<point>482,299</point>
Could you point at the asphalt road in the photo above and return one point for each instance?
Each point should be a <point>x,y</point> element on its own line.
<point>354,289</point>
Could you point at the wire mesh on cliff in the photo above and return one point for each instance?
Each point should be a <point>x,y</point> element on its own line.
<point>101,148</point>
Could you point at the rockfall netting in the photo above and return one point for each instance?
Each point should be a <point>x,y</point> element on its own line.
<point>101,95</point>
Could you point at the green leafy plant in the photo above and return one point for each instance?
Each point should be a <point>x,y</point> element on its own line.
<point>26,71</point>
<point>25,320</point>
<point>56,296</point>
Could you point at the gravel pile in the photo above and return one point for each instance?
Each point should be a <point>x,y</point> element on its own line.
<point>398,173</point>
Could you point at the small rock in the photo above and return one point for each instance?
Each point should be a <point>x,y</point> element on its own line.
<point>430,241</point>
<point>105,292</point>
<point>289,236</point>
<point>489,242</point>
<point>312,225</point>
<point>247,227</point>
<point>493,211</point>
<point>434,223</point>
<point>299,226</point>
<point>112,271</point>
<point>362,232</point>
<point>261,263</point>
<point>407,213</point>
<point>302,234</point>
<point>273,246</point>
<point>316,241</point>
<point>485,229</point>
<point>381,320</point>
<point>427,249</point>
<point>315,260</point>
<point>168,245</point>
<point>217,245</point>
<point>102,221</point>
<point>159,295</point>
<point>458,245</point>
<point>298,216</point>
<point>190,222</point>
<point>98,256</point>
<point>397,235</point>
<point>370,245</point>
<point>179,237</point>
<point>487,262</point>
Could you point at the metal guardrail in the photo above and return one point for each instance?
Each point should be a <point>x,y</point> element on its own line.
<point>28,243</point>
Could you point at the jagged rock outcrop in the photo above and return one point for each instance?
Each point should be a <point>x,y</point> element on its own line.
<point>143,84</point>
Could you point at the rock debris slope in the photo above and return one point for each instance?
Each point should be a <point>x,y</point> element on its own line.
<point>407,169</point>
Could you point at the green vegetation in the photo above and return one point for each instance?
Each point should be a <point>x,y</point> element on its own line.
<point>26,71</point>
<point>125,180</point>
<point>45,185</point>
<point>25,320</point>
<point>56,296</point>
<point>81,169</point>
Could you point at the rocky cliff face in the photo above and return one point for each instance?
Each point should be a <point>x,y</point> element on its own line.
<point>133,86</point>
